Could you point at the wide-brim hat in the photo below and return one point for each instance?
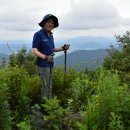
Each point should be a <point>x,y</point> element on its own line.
<point>47,17</point>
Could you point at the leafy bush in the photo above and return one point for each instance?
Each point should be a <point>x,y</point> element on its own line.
<point>80,90</point>
<point>25,125</point>
<point>33,89</point>
<point>5,117</point>
<point>111,96</point>
<point>90,117</point>
<point>23,59</point>
<point>15,78</point>
<point>61,89</point>
<point>115,122</point>
<point>47,116</point>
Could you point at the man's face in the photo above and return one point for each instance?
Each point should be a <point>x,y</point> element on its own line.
<point>49,25</point>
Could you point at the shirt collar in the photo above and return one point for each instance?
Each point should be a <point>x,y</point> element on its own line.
<point>45,31</point>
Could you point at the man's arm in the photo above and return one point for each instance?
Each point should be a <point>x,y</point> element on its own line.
<point>64,47</point>
<point>38,54</point>
<point>58,49</point>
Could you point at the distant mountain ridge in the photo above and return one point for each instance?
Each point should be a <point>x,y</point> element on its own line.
<point>77,43</point>
<point>85,51</point>
<point>82,59</point>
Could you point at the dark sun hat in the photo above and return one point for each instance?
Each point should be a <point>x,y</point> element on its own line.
<point>47,17</point>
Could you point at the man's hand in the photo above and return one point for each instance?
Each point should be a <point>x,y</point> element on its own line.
<point>65,47</point>
<point>49,58</point>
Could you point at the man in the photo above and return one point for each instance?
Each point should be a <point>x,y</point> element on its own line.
<point>43,47</point>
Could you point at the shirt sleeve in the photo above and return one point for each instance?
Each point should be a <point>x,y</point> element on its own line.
<point>36,41</point>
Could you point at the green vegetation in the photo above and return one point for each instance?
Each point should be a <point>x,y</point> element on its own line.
<point>89,100</point>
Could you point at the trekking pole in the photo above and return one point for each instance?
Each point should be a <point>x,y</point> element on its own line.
<point>65,51</point>
<point>50,77</point>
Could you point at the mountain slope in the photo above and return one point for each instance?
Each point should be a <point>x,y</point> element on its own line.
<point>82,59</point>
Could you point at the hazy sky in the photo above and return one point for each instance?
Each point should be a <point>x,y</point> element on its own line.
<point>19,18</point>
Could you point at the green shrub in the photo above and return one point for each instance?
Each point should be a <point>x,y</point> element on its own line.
<point>47,116</point>
<point>115,122</point>
<point>5,117</point>
<point>15,78</point>
<point>25,125</point>
<point>90,117</point>
<point>60,89</point>
<point>110,96</point>
<point>33,88</point>
<point>81,89</point>
<point>55,114</point>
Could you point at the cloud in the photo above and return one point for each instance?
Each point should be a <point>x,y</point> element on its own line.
<point>126,22</point>
<point>15,16</point>
<point>25,15</point>
<point>91,15</point>
<point>18,21</point>
<point>20,18</point>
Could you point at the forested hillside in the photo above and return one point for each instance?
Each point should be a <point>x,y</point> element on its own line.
<point>82,59</point>
<point>88,99</point>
